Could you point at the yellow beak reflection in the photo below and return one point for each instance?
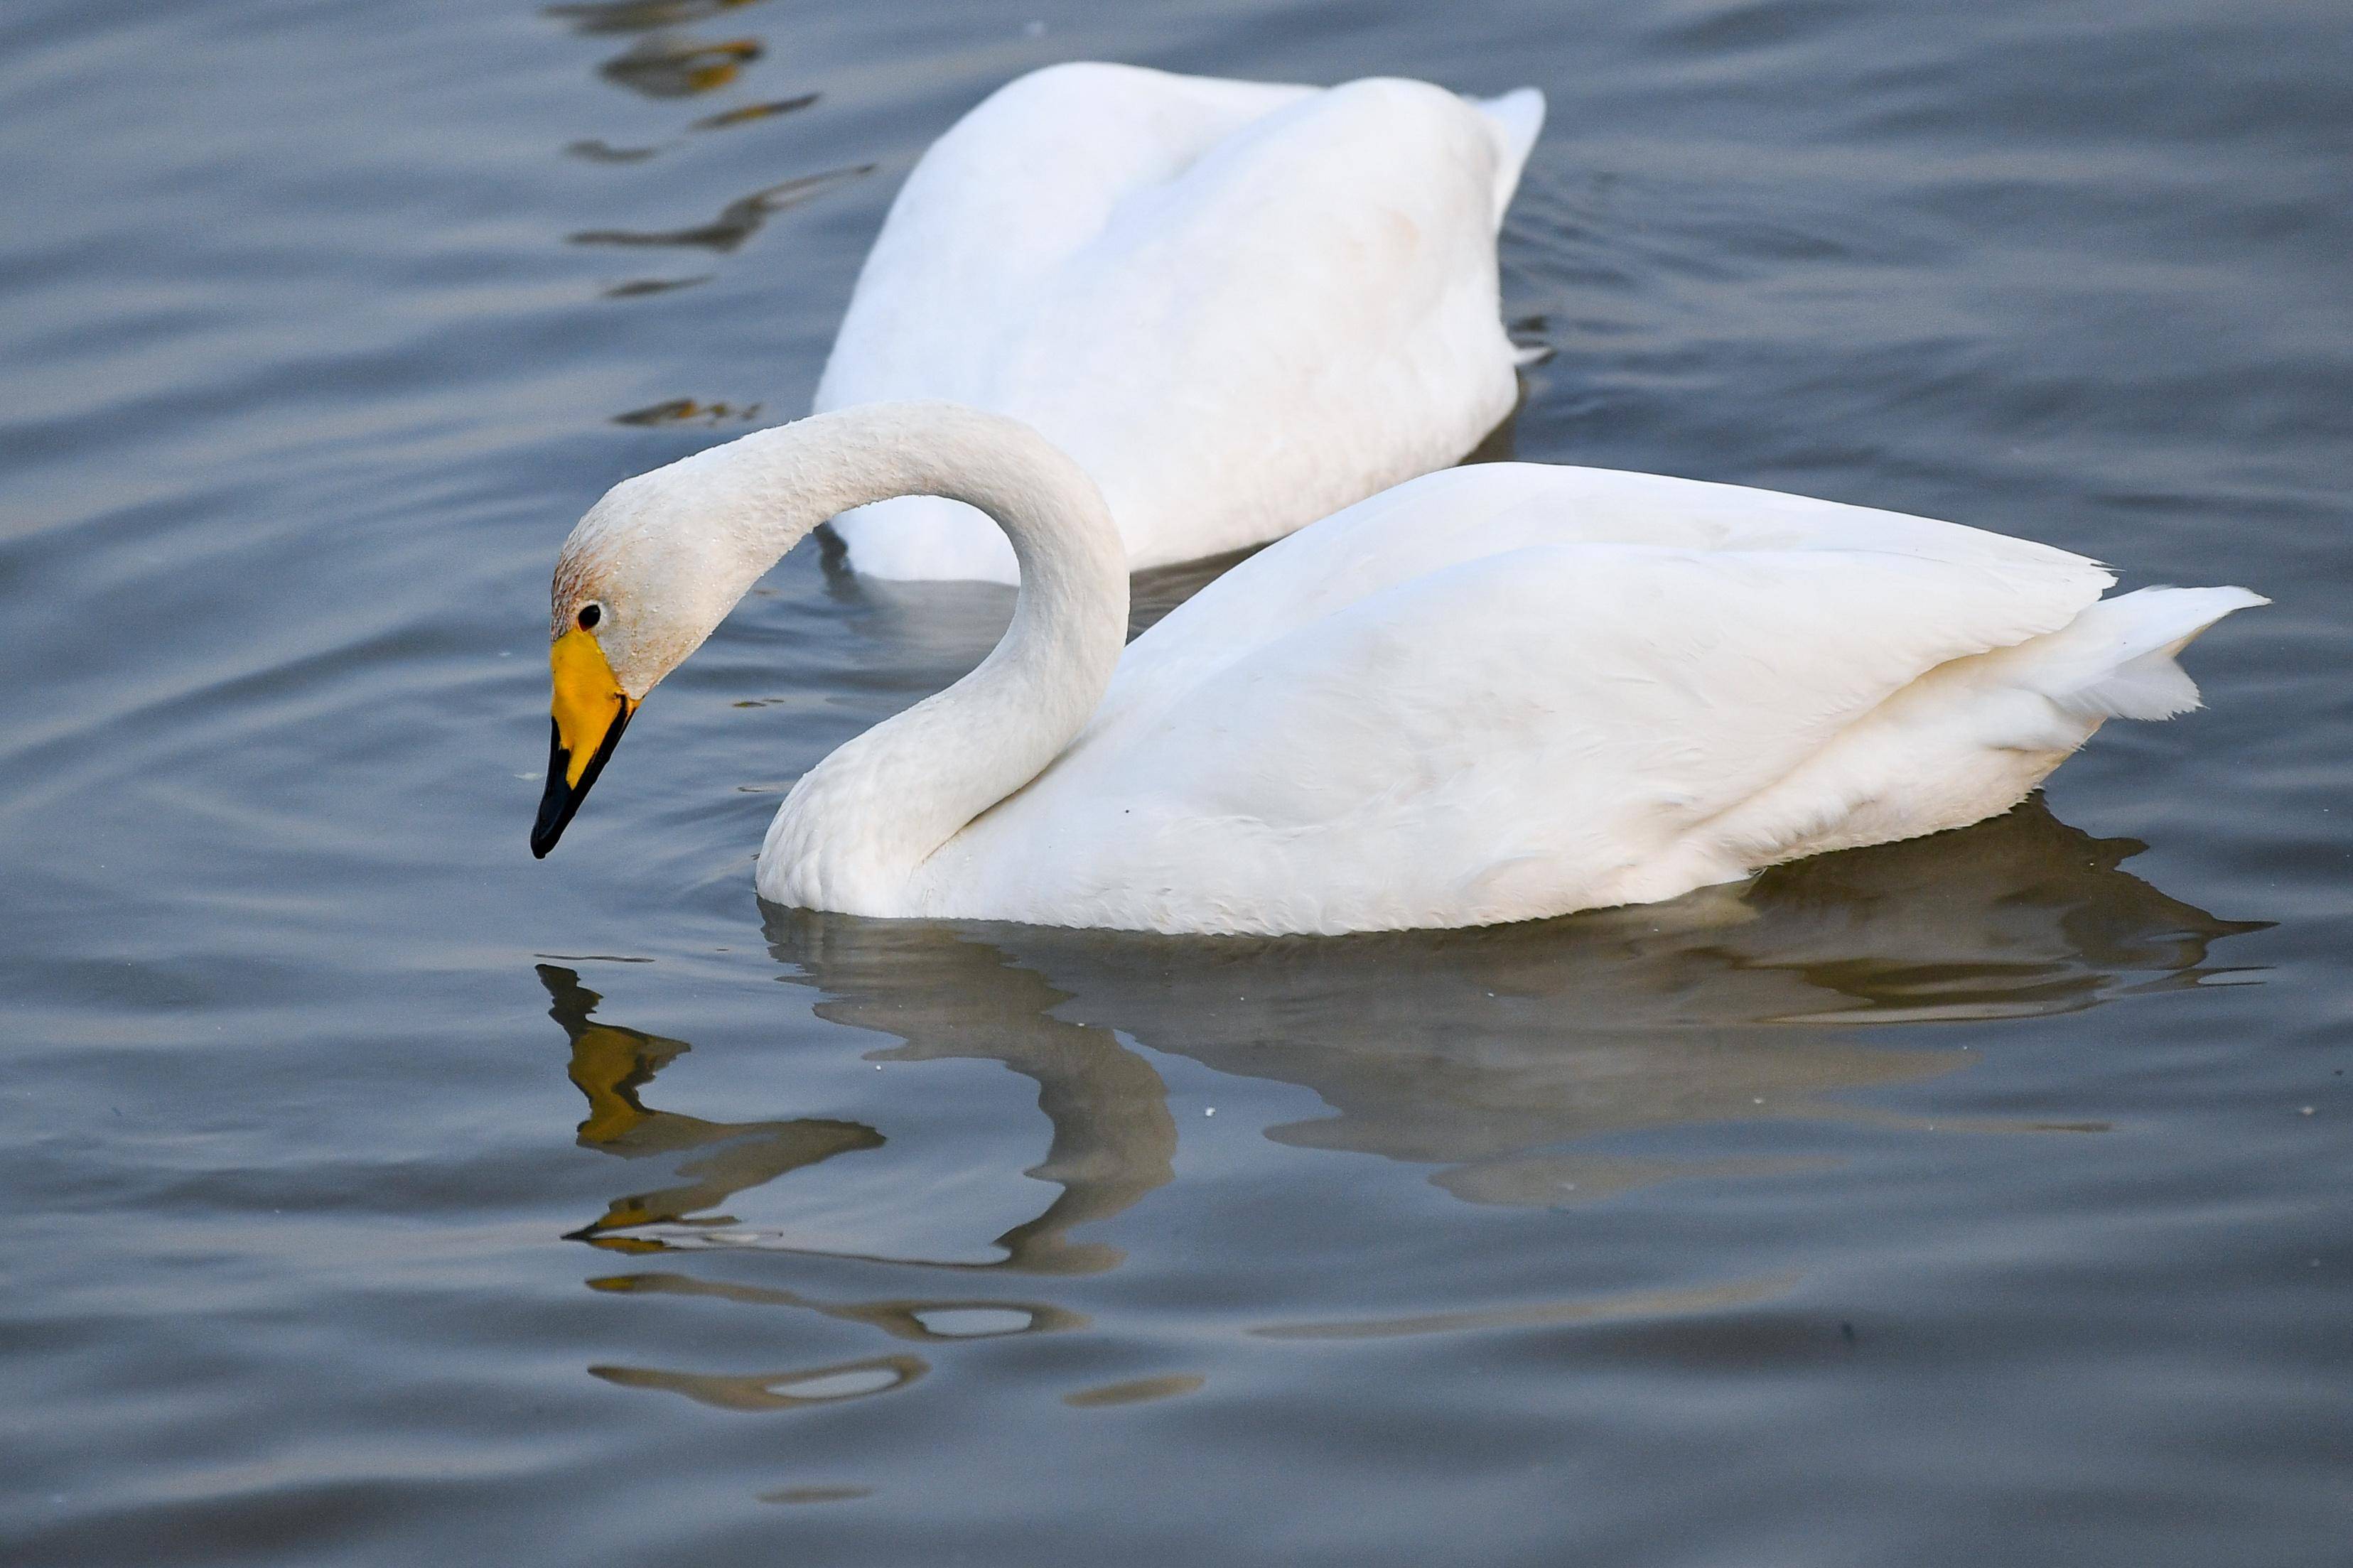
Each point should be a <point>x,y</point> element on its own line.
<point>590,711</point>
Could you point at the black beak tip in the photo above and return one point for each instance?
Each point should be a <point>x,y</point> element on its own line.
<point>556,809</point>
<point>563,797</point>
<point>558,800</point>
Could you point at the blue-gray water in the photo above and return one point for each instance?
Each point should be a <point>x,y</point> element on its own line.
<point>1982,1200</point>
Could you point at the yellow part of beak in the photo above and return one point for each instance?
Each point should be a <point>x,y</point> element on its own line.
<point>588,700</point>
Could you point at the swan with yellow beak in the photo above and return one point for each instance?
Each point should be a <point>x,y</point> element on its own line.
<point>590,710</point>
<point>1489,694</point>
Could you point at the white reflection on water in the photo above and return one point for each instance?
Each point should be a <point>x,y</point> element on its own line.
<point>1486,1052</point>
<point>1500,1056</point>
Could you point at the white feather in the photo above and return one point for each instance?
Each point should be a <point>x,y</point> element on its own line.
<point>1239,306</point>
<point>2116,659</point>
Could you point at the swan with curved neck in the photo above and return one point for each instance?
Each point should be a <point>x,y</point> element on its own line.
<point>1488,694</point>
<point>660,560</point>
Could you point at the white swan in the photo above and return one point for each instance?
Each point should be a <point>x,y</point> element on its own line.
<point>1489,694</point>
<point>1239,306</point>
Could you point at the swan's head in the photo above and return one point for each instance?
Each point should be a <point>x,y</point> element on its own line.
<point>644,578</point>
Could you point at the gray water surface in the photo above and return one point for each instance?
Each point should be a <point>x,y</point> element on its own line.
<point>377,1195</point>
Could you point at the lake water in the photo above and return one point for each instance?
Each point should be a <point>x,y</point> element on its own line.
<point>377,1195</point>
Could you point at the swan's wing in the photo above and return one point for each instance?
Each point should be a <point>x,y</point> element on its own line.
<point>1518,119</point>
<point>1539,727</point>
<point>1465,514</point>
<point>1055,164</point>
<point>998,205</point>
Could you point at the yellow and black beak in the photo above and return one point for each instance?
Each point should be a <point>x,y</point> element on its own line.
<point>590,712</point>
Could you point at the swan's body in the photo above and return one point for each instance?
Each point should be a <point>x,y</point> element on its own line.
<point>1239,306</point>
<point>1489,694</point>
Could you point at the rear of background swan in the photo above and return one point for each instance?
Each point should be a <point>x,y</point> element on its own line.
<point>1240,306</point>
<point>1489,694</point>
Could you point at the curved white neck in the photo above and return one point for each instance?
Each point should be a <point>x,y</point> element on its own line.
<point>856,827</point>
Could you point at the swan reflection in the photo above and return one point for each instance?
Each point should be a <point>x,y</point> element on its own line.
<point>738,221</point>
<point>928,1321</point>
<point>1502,1056</point>
<point>610,1065</point>
<point>674,65</point>
<point>746,114</point>
<point>787,1389</point>
<point>1506,1058</point>
<point>953,999</point>
<point>1499,1056</point>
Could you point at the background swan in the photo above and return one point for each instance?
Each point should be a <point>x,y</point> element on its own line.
<point>1489,694</point>
<point>1239,306</point>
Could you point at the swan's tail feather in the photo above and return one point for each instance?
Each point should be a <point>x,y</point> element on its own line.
<point>2116,661</point>
<point>1517,115</point>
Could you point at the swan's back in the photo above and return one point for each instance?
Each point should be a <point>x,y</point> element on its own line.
<point>1000,204</point>
<point>1239,306</point>
<point>1512,690</point>
<point>1467,514</point>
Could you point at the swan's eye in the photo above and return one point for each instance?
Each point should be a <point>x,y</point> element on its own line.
<point>589,615</point>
